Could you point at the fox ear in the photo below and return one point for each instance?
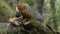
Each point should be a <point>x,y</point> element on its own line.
<point>17,9</point>
<point>20,7</point>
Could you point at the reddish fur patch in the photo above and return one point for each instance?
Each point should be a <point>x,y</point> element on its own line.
<point>23,10</point>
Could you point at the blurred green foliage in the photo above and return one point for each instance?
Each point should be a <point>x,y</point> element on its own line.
<point>48,17</point>
<point>7,11</point>
<point>58,13</point>
<point>30,2</point>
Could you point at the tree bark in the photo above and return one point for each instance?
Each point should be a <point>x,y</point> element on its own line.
<point>39,28</point>
<point>39,5</point>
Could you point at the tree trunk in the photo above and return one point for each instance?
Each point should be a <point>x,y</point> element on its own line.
<point>39,5</point>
